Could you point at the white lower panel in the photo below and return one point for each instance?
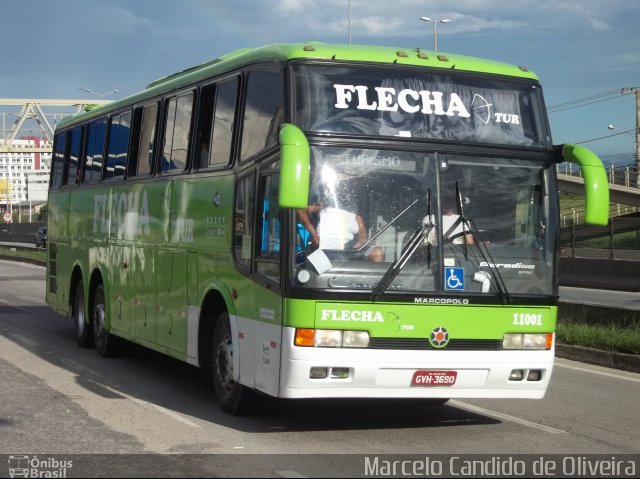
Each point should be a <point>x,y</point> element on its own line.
<point>388,373</point>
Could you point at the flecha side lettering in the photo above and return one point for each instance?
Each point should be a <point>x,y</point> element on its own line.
<point>362,316</point>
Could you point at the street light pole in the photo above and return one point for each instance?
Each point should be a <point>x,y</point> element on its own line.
<point>98,94</point>
<point>636,91</point>
<point>349,21</point>
<point>435,29</point>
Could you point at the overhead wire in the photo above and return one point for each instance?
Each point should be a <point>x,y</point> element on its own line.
<point>589,100</point>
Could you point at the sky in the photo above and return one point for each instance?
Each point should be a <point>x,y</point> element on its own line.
<point>580,49</point>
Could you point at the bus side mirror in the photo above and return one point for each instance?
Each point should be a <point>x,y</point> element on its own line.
<point>295,159</point>
<point>596,185</point>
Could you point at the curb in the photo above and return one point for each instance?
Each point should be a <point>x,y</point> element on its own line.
<point>610,359</point>
<point>22,259</point>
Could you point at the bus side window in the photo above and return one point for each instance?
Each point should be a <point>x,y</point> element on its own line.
<point>145,146</point>
<point>203,136</point>
<point>268,259</point>
<point>57,167</point>
<point>216,124</point>
<point>118,145</point>
<point>94,152</point>
<point>263,112</point>
<point>243,220</point>
<point>223,123</point>
<point>176,134</point>
<point>74,155</point>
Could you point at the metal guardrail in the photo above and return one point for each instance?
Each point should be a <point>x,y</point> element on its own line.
<point>620,175</point>
<point>620,239</point>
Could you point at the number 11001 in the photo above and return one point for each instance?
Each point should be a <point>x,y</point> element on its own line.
<point>527,319</point>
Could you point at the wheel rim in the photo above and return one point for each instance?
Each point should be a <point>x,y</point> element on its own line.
<point>98,321</point>
<point>224,366</point>
<point>80,323</point>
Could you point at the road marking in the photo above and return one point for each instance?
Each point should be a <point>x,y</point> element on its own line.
<point>24,340</point>
<point>165,411</point>
<point>506,417</point>
<point>601,373</point>
<point>289,474</point>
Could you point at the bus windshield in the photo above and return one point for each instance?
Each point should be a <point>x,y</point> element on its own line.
<point>365,206</point>
<point>433,104</point>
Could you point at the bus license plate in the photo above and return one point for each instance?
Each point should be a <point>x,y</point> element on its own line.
<point>434,378</point>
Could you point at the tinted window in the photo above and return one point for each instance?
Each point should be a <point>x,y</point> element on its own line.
<point>147,141</point>
<point>223,122</point>
<point>74,155</point>
<point>243,221</point>
<point>269,251</point>
<point>118,145</point>
<point>203,140</point>
<point>94,151</point>
<point>177,131</point>
<point>427,104</point>
<point>57,167</point>
<point>263,113</point>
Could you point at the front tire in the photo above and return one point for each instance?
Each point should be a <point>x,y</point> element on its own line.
<point>106,343</point>
<point>81,325</point>
<point>234,398</point>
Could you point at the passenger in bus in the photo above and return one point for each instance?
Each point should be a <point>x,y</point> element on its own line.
<point>337,229</point>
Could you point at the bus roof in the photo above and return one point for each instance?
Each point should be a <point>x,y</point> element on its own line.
<point>311,51</point>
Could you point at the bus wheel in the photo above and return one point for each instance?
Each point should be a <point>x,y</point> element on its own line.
<point>105,342</point>
<point>234,398</point>
<point>82,326</point>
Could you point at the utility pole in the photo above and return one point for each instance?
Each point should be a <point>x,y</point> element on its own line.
<point>636,91</point>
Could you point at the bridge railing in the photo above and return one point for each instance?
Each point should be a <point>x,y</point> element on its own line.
<point>621,175</point>
<point>575,214</point>
<point>620,239</point>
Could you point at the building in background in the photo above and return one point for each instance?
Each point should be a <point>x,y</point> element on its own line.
<point>24,177</point>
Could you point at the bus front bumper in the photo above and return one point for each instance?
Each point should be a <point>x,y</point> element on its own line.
<point>376,373</point>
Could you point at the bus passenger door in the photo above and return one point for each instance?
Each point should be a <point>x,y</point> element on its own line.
<point>267,292</point>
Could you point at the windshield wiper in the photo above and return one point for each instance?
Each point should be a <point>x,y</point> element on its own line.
<point>483,250</point>
<point>384,228</point>
<point>416,239</point>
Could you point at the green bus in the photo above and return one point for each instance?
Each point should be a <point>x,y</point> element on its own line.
<point>320,221</point>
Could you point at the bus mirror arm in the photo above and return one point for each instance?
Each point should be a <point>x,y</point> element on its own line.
<point>596,185</point>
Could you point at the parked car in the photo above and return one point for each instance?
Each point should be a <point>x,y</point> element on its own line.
<point>41,237</point>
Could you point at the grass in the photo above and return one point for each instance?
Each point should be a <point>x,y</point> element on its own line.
<point>30,253</point>
<point>606,338</point>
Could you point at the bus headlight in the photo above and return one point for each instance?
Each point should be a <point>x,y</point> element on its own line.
<point>329,338</point>
<point>530,341</point>
<point>355,339</point>
<point>326,338</point>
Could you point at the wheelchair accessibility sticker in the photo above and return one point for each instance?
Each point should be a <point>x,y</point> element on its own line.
<point>454,279</point>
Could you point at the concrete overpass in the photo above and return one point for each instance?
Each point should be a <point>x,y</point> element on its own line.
<point>621,191</point>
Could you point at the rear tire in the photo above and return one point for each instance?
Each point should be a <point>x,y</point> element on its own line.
<point>83,329</point>
<point>235,399</point>
<point>106,343</point>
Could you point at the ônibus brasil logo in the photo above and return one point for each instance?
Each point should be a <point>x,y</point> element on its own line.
<point>439,337</point>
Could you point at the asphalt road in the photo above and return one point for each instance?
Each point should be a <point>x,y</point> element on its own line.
<point>58,399</point>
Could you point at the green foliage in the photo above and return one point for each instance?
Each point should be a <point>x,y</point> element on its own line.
<point>606,338</point>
